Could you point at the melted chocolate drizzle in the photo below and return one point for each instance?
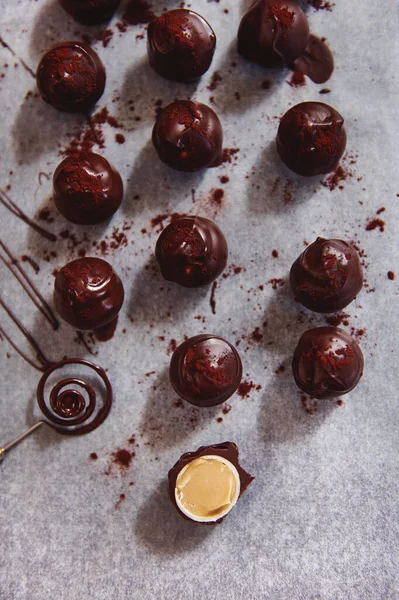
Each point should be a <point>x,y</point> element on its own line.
<point>67,410</point>
<point>12,207</point>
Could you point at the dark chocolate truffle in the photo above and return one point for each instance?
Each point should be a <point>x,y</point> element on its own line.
<point>87,189</point>
<point>205,370</point>
<point>180,45</point>
<point>88,294</point>
<point>327,276</point>
<point>90,12</point>
<point>188,136</point>
<point>311,138</point>
<point>71,77</point>
<point>327,362</point>
<point>273,33</point>
<point>205,485</point>
<point>191,251</point>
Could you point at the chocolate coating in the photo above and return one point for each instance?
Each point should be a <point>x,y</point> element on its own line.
<point>327,276</point>
<point>327,362</point>
<point>311,138</point>
<point>87,189</point>
<point>90,12</point>
<point>191,251</point>
<point>71,77</point>
<point>273,33</point>
<point>205,370</point>
<point>180,45</point>
<point>317,61</point>
<point>88,293</point>
<point>227,450</point>
<point>188,136</point>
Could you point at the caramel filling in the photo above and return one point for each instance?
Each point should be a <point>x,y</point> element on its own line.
<point>207,488</point>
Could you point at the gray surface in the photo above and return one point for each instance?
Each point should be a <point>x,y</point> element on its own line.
<point>321,519</point>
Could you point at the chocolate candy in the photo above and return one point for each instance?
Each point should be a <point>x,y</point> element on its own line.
<point>71,77</point>
<point>327,362</point>
<point>205,485</point>
<point>90,12</point>
<point>205,370</point>
<point>180,45</point>
<point>273,33</point>
<point>188,136</point>
<point>87,189</point>
<point>327,276</point>
<point>311,138</point>
<point>191,251</point>
<point>88,294</point>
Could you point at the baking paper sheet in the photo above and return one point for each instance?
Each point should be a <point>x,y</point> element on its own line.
<point>321,519</point>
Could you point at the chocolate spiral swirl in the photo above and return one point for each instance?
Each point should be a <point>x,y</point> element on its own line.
<point>68,411</point>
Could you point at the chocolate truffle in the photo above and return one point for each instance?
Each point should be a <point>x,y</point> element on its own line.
<point>205,370</point>
<point>327,276</point>
<point>180,45</point>
<point>90,12</point>
<point>191,251</point>
<point>87,189</point>
<point>205,485</point>
<point>88,294</point>
<point>188,136</point>
<point>327,362</point>
<point>71,77</point>
<point>311,138</point>
<point>273,33</point>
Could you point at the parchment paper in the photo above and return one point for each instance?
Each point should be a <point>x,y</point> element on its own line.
<point>321,519</point>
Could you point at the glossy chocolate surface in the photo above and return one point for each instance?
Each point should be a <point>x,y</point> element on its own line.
<point>188,136</point>
<point>327,276</point>
<point>311,138</point>
<point>90,12</point>
<point>180,45</point>
<point>327,362</point>
<point>87,189</point>
<point>71,77</point>
<point>227,450</point>
<point>317,61</point>
<point>191,251</point>
<point>273,33</point>
<point>205,370</point>
<point>88,293</point>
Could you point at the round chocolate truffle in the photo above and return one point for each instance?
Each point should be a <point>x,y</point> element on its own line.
<point>90,12</point>
<point>188,136</point>
<point>273,33</point>
<point>180,45</point>
<point>191,251</point>
<point>205,370</point>
<point>327,276</point>
<point>87,189</point>
<point>311,138</point>
<point>327,362</point>
<point>71,77</point>
<point>205,485</point>
<point>88,294</point>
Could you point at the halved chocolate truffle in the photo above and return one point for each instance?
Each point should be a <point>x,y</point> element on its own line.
<point>327,362</point>
<point>205,485</point>
<point>205,370</point>
<point>311,138</point>
<point>191,251</point>
<point>180,45</point>
<point>71,77</point>
<point>327,276</point>
<point>88,294</point>
<point>90,12</point>
<point>87,189</point>
<point>188,136</point>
